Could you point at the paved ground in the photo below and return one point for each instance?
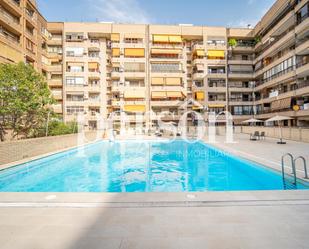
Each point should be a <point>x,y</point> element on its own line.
<point>267,151</point>
<point>211,220</point>
<point>266,219</point>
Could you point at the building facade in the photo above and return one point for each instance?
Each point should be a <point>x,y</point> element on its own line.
<point>170,70</point>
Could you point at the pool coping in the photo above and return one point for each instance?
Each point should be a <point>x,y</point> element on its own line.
<point>153,199</point>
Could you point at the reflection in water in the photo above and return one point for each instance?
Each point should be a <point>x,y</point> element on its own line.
<point>140,166</point>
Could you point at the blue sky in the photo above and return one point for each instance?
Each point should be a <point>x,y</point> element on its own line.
<point>231,13</point>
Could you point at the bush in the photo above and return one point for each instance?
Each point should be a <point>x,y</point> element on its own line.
<point>56,128</point>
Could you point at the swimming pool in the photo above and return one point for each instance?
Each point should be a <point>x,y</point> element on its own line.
<point>140,166</point>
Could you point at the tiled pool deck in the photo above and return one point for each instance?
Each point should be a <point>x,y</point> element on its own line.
<point>257,219</point>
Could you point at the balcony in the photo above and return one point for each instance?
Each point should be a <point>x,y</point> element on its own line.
<point>54,68</point>
<point>55,41</point>
<point>57,95</point>
<point>243,48</point>
<point>10,20</point>
<point>278,43</point>
<point>57,108</point>
<point>166,103</point>
<point>302,25</point>
<point>235,61</point>
<point>31,17</point>
<point>302,68</point>
<point>55,83</point>
<point>240,74</point>
<point>198,76</point>
<point>15,5</point>
<point>303,47</point>
<point>216,89</point>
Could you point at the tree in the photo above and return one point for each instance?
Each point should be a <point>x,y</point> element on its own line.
<point>232,42</point>
<point>25,100</point>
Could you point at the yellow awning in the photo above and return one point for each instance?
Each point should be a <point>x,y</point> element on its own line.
<point>134,108</point>
<point>199,95</point>
<point>165,51</point>
<point>216,53</point>
<point>134,94</point>
<point>134,52</point>
<point>173,94</point>
<point>115,37</point>
<point>200,52</point>
<point>158,95</point>
<point>173,81</point>
<point>116,52</point>
<point>197,107</point>
<point>157,81</point>
<point>93,65</point>
<point>175,39</point>
<point>216,106</point>
<point>160,38</point>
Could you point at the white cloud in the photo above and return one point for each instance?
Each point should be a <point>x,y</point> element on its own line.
<point>121,11</point>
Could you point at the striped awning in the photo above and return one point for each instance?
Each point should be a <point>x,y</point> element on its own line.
<point>216,106</point>
<point>134,108</point>
<point>173,81</point>
<point>93,65</point>
<point>115,37</point>
<point>160,38</point>
<point>165,51</point>
<point>216,53</point>
<point>199,95</point>
<point>200,52</point>
<point>134,52</point>
<point>158,95</point>
<point>157,81</point>
<point>174,94</point>
<point>116,52</point>
<point>281,104</point>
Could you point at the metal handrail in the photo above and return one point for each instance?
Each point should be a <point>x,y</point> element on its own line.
<point>305,165</point>
<point>293,167</point>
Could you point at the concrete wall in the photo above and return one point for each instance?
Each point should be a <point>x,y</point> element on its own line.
<point>12,151</point>
<point>296,134</point>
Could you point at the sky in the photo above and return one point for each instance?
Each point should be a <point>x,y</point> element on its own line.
<point>228,13</point>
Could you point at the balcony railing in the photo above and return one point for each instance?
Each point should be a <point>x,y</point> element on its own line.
<point>9,16</point>
<point>285,71</point>
<point>302,63</point>
<point>303,18</point>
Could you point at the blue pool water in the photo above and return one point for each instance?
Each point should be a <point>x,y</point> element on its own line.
<point>140,166</point>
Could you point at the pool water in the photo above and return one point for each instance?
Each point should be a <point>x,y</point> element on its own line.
<point>140,166</point>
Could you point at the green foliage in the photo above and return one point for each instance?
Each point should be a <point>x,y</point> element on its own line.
<point>232,42</point>
<point>24,100</point>
<point>257,39</point>
<point>56,128</point>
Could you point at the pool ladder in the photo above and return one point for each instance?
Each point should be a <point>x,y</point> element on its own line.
<point>294,172</point>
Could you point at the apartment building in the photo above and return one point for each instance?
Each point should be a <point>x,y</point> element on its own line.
<point>169,70</point>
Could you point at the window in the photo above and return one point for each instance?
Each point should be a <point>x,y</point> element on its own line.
<point>75,97</point>
<point>165,67</point>
<point>75,81</point>
<point>75,109</point>
<point>280,69</point>
<point>74,37</point>
<point>74,52</point>
<point>302,14</point>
